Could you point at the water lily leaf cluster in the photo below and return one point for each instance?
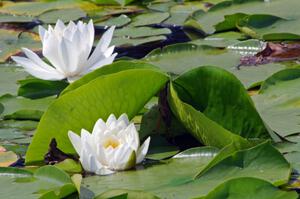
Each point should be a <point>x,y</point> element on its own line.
<point>215,119</point>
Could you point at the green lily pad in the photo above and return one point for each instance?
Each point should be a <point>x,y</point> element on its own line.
<point>48,180</point>
<point>136,32</point>
<point>36,8</point>
<point>23,108</point>
<point>149,18</point>
<point>7,18</point>
<point>119,21</point>
<point>278,102</point>
<point>37,88</point>
<point>137,41</point>
<point>65,15</point>
<point>179,13</point>
<point>250,188</point>
<point>126,194</point>
<point>70,166</point>
<point>7,158</point>
<point>12,44</point>
<point>9,76</point>
<point>26,125</point>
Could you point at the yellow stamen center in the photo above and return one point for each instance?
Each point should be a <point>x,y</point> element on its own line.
<point>111,142</point>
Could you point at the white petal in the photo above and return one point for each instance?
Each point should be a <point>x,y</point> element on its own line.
<point>143,150</point>
<point>52,51</point>
<point>71,56</point>
<point>76,141</point>
<point>69,31</point>
<point>59,26</point>
<point>99,128</point>
<point>42,32</point>
<point>91,33</point>
<point>111,119</point>
<point>37,60</point>
<point>84,159</point>
<point>101,155</point>
<point>101,63</point>
<point>102,46</point>
<point>109,51</point>
<point>134,137</point>
<point>124,118</point>
<point>94,164</point>
<point>37,70</point>
<point>121,158</point>
<point>87,138</point>
<point>106,38</point>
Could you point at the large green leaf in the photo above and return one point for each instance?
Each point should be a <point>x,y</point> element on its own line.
<point>192,119</point>
<point>17,183</point>
<point>179,58</point>
<point>278,102</point>
<point>250,188</point>
<point>123,92</point>
<point>215,108</point>
<point>262,161</point>
<point>221,97</point>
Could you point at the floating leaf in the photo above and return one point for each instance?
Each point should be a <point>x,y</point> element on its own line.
<point>17,183</point>
<point>249,188</point>
<point>22,108</point>
<point>65,15</point>
<point>37,88</point>
<point>126,194</point>
<point>278,102</point>
<point>136,32</point>
<point>11,46</point>
<point>119,21</point>
<point>7,158</point>
<point>9,76</point>
<point>149,18</point>
<point>7,18</point>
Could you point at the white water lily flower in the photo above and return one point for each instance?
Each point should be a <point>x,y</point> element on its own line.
<point>112,146</point>
<point>68,49</point>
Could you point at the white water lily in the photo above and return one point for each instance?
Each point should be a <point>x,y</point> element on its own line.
<point>112,146</point>
<point>68,49</point>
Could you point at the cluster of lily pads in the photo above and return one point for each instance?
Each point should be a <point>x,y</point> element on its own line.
<point>191,119</point>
